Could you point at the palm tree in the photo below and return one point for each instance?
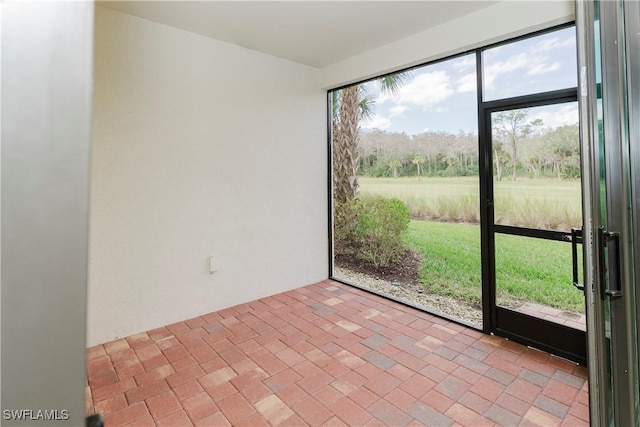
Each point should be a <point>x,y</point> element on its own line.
<point>418,160</point>
<point>394,165</point>
<point>349,106</point>
<point>500,157</point>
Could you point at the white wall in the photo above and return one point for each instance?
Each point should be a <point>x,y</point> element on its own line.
<point>499,22</point>
<point>199,148</point>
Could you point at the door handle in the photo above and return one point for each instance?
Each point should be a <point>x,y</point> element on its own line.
<point>604,237</point>
<point>576,237</point>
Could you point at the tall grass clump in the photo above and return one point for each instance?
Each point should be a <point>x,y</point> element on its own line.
<point>457,209</point>
<point>541,213</point>
<point>535,203</point>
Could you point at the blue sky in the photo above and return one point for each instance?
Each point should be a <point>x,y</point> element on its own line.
<point>442,96</point>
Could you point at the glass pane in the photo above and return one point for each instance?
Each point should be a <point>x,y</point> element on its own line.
<point>418,145</point>
<point>536,165</point>
<point>537,64</point>
<point>534,276</point>
<point>607,362</point>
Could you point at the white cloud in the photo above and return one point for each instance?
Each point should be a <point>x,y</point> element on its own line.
<point>536,60</point>
<point>560,115</point>
<point>467,83</point>
<point>424,90</point>
<point>530,63</point>
<point>513,63</point>
<point>555,43</point>
<point>396,110</point>
<point>377,122</point>
<point>542,68</point>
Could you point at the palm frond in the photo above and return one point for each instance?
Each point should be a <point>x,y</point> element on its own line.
<point>367,106</point>
<point>391,83</point>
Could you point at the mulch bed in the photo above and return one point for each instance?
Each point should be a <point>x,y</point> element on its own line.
<point>406,271</point>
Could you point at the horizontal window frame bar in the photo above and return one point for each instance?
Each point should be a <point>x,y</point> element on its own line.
<point>534,100</point>
<point>560,236</point>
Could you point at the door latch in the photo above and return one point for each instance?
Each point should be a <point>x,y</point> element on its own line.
<point>576,237</point>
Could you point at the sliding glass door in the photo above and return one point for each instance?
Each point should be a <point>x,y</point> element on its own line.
<point>609,89</point>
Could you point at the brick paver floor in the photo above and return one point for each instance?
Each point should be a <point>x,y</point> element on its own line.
<point>329,354</point>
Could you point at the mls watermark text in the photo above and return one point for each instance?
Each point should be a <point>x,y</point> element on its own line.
<point>35,414</point>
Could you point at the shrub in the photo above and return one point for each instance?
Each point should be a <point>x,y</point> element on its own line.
<point>377,171</point>
<point>372,229</point>
<point>382,224</point>
<point>569,172</point>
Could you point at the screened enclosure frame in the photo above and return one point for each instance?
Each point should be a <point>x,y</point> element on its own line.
<point>493,317</point>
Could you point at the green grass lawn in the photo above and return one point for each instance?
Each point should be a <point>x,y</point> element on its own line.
<point>536,270</point>
<point>451,258</point>
<point>527,269</point>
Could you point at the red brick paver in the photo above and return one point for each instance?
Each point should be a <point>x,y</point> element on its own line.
<point>329,354</point>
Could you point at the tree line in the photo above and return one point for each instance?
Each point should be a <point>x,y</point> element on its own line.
<point>525,145</point>
<point>528,149</point>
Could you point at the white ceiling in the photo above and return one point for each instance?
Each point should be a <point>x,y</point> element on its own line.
<point>315,33</point>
